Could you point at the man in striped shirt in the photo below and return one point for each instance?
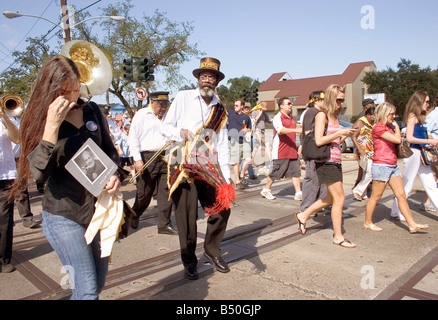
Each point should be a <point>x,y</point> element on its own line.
<point>286,162</point>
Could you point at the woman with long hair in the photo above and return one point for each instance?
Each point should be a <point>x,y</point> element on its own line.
<point>330,171</point>
<point>385,169</point>
<point>417,136</point>
<point>54,126</point>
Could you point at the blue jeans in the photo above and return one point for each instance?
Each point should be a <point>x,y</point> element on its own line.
<point>86,269</point>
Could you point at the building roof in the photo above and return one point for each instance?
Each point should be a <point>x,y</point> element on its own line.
<point>302,88</point>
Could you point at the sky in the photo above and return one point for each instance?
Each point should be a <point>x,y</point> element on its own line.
<point>257,38</point>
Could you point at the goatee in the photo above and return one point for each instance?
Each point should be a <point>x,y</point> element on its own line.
<point>206,91</point>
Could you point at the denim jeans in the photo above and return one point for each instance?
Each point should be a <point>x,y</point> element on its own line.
<point>86,269</point>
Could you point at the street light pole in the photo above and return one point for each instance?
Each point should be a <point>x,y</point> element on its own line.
<point>65,21</point>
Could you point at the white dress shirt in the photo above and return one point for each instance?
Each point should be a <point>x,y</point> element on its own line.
<point>145,133</point>
<point>8,171</point>
<point>189,111</point>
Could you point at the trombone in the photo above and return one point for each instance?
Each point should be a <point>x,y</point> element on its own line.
<point>155,156</point>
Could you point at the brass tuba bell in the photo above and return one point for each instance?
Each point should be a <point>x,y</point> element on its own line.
<point>94,67</point>
<point>12,105</point>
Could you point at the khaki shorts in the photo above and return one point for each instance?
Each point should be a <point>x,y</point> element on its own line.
<point>239,151</point>
<point>285,168</point>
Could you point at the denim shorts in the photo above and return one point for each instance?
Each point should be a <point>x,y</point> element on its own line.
<point>383,172</point>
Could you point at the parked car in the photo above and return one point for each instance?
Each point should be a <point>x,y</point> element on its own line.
<point>348,143</point>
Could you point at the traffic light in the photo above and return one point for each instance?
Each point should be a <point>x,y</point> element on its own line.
<point>146,69</point>
<point>246,95</point>
<point>128,68</point>
<point>255,94</point>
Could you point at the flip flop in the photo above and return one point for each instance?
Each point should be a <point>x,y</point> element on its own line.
<point>344,242</point>
<point>301,226</point>
<point>418,227</point>
<point>372,227</point>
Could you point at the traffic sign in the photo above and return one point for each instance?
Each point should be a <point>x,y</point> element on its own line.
<point>140,93</point>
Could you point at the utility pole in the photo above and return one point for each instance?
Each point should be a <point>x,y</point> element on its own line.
<point>65,21</point>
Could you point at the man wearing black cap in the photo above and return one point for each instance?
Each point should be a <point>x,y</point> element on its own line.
<point>144,140</point>
<point>190,111</point>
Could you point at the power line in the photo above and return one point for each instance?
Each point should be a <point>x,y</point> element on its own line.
<point>8,56</point>
<point>46,40</point>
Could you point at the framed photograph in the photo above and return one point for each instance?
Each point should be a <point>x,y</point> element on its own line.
<point>91,167</point>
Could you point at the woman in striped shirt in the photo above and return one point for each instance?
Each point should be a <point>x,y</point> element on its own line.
<point>330,171</point>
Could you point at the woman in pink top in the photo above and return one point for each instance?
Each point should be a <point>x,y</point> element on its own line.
<point>330,171</point>
<point>385,169</point>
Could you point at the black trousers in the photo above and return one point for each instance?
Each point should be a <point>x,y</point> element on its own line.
<point>186,198</point>
<point>153,176</point>
<point>6,222</point>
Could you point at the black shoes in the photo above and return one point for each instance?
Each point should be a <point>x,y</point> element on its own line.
<point>191,272</point>
<point>167,230</point>
<point>6,268</point>
<point>134,222</point>
<point>218,263</point>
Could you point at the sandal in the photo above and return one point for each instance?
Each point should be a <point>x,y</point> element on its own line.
<point>418,227</point>
<point>301,226</point>
<point>372,227</point>
<point>357,196</point>
<point>344,243</point>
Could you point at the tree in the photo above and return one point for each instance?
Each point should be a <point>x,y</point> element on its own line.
<point>235,90</point>
<point>399,85</point>
<point>156,37</point>
<point>20,78</point>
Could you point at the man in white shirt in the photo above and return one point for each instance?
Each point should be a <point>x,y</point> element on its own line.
<point>8,173</point>
<point>144,141</point>
<point>189,112</point>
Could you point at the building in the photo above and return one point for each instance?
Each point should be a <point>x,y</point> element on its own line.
<point>282,85</point>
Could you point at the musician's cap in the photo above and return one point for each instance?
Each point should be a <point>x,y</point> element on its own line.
<point>212,65</point>
<point>159,96</point>
<point>367,102</point>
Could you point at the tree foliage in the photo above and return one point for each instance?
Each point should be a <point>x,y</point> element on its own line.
<point>400,84</point>
<point>155,36</point>
<point>235,90</point>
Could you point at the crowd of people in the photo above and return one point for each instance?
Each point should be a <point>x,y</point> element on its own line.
<point>57,122</point>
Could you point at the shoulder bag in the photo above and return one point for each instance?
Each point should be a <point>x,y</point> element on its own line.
<point>311,151</point>
<point>429,154</point>
<point>403,149</point>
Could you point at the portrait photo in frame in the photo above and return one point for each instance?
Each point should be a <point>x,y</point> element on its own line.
<point>91,167</point>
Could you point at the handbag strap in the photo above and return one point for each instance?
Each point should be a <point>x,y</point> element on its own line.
<point>326,123</point>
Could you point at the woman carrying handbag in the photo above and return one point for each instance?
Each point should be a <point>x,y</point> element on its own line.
<point>330,171</point>
<point>416,134</point>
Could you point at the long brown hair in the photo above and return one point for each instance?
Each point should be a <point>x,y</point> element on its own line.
<point>415,106</point>
<point>55,73</point>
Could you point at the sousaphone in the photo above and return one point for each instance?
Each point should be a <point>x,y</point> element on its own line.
<point>94,67</point>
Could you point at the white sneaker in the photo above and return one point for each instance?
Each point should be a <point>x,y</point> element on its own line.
<point>298,196</point>
<point>267,194</point>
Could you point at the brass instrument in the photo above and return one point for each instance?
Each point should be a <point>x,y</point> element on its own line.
<point>261,106</point>
<point>95,69</point>
<point>154,156</point>
<point>12,105</point>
